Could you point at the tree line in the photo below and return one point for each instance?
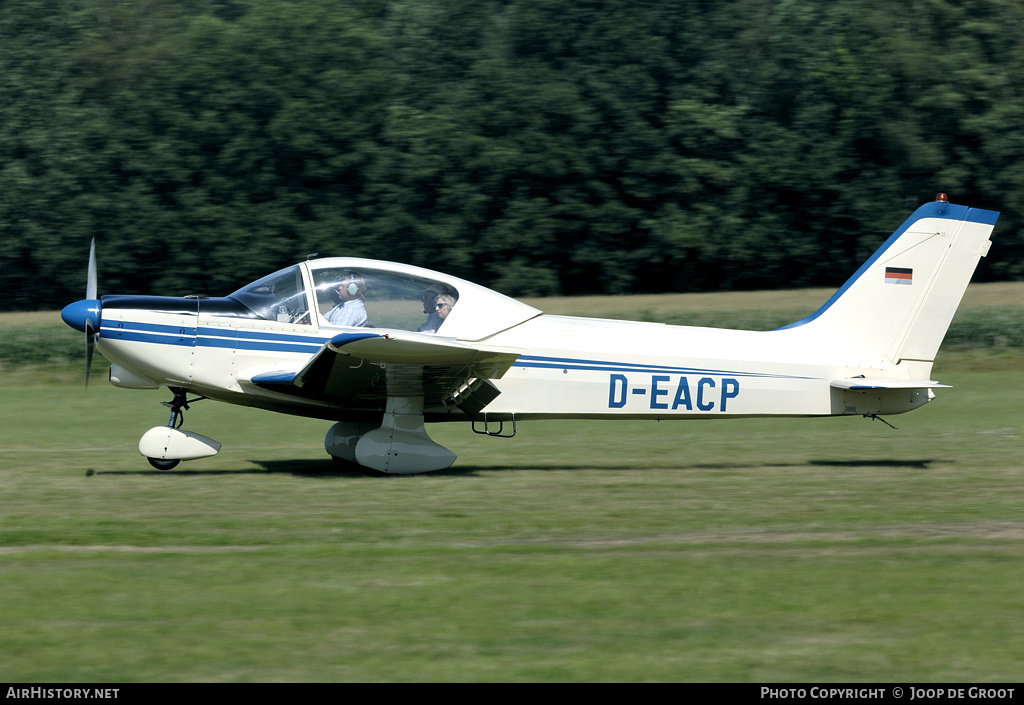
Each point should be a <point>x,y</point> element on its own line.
<point>536,146</point>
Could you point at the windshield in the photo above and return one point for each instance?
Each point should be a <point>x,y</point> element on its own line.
<point>280,296</point>
<point>382,299</point>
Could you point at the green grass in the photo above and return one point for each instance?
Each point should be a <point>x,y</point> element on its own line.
<point>750,550</point>
<point>777,550</point>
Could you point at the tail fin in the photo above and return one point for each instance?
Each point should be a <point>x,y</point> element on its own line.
<point>899,303</point>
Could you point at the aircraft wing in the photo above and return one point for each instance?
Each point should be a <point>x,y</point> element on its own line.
<point>359,371</point>
<point>860,384</point>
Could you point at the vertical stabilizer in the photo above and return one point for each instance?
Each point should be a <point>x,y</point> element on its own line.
<point>899,304</point>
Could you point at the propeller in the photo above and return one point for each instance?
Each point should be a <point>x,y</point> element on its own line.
<point>90,294</point>
<point>90,284</point>
<point>85,315</point>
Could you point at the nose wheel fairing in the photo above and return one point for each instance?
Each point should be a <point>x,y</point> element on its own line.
<point>166,443</point>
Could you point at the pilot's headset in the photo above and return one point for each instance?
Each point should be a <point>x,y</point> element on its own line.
<point>356,284</point>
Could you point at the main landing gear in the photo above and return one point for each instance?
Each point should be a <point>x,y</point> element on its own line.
<point>398,446</point>
<point>166,446</point>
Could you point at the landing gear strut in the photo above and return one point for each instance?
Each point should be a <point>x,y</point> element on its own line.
<point>178,405</point>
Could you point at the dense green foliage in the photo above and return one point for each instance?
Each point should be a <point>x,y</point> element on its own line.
<point>537,146</point>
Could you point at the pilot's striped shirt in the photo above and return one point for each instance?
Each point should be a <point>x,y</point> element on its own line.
<point>351,313</point>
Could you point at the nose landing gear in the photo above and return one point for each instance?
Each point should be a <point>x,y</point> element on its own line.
<point>166,446</point>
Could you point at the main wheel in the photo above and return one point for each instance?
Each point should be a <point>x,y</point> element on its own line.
<point>161,464</point>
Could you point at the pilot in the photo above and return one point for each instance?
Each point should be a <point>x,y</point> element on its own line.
<point>430,308</point>
<point>351,309</point>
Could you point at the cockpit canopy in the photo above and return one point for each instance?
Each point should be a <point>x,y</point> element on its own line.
<point>391,299</point>
<point>384,294</point>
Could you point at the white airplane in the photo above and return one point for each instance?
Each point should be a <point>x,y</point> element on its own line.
<point>379,372</point>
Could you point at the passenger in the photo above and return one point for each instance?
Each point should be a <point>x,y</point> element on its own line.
<point>444,306</point>
<point>351,308</point>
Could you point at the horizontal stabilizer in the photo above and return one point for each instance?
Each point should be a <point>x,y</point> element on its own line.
<point>860,384</point>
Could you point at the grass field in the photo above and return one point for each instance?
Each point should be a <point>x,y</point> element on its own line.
<point>748,550</point>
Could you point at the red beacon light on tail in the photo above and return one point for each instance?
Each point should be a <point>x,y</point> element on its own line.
<point>941,198</point>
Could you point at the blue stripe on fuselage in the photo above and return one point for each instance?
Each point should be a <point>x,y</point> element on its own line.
<point>184,336</point>
<point>161,334</point>
<point>611,366</point>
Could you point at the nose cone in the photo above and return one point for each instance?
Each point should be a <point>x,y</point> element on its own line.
<point>82,313</point>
